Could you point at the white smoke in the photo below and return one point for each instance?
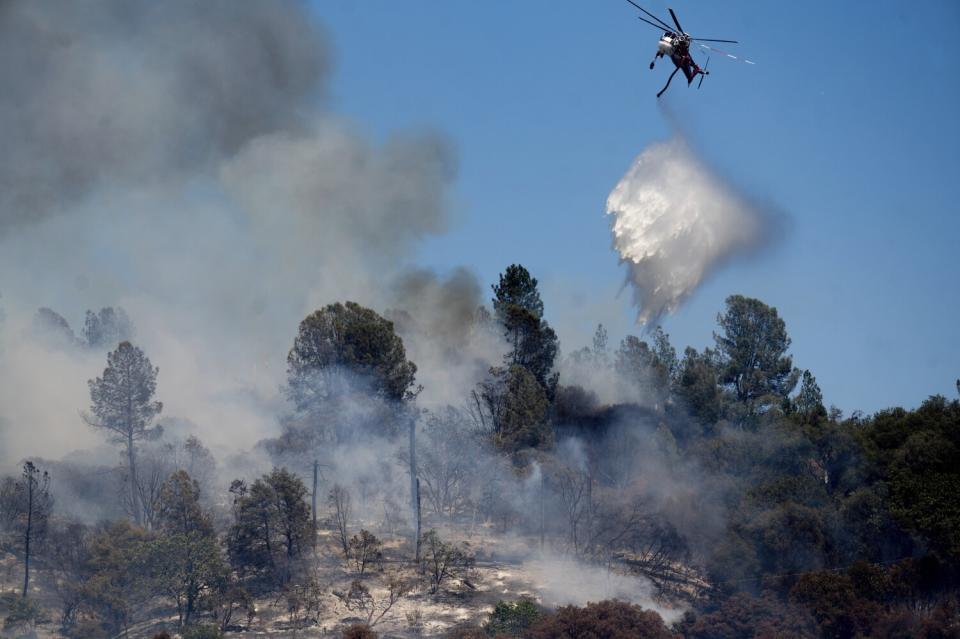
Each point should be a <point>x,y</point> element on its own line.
<point>675,221</point>
<point>556,586</point>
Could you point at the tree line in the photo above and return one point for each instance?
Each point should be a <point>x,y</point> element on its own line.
<point>720,469</point>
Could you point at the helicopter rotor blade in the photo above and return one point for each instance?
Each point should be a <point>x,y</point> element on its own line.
<point>729,55</point>
<point>711,40</point>
<point>675,21</point>
<point>661,23</point>
<point>652,24</point>
<point>704,74</point>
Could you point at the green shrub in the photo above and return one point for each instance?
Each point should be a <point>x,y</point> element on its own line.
<point>19,612</point>
<point>202,632</point>
<point>512,618</point>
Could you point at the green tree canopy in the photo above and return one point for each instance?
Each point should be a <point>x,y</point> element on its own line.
<point>516,289</point>
<point>917,455</point>
<point>515,410</point>
<point>809,401</point>
<point>637,362</point>
<point>123,406</point>
<point>697,385</point>
<point>272,524</point>
<point>341,345</point>
<point>753,347</point>
<point>188,568</point>
<point>519,309</point>
<point>180,510</point>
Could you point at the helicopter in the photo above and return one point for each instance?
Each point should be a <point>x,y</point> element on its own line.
<point>676,45</point>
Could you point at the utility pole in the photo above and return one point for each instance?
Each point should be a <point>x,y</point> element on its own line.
<point>414,483</point>
<point>29,474</point>
<point>541,509</point>
<point>418,522</point>
<point>316,472</point>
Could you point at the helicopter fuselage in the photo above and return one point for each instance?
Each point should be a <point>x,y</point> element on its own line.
<point>671,43</point>
<point>665,46</point>
<point>676,46</point>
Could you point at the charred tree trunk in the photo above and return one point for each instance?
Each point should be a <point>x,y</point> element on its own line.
<point>414,486</point>
<point>313,500</point>
<point>541,508</point>
<point>418,522</point>
<point>134,496</point>
<point>26,537</point>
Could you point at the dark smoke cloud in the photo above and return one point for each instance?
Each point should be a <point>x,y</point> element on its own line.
<point>447,338</point>
<point>177,159</point>
<point>120,91</point>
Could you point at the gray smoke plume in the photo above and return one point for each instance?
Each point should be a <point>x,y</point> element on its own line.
<point>445,335</point>
<point>177,159</point>
<point>142,92</point>
<point>675,222</point>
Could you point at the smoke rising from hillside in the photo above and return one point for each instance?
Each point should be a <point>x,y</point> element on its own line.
<point>675,221</point>
<point>177,160</point>
<point>555,586</point>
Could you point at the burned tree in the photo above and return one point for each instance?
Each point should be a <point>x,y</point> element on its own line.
<point>444,560</point>
<point>28,510</point>
<point>123,406</point>
<point>360,599</point>
<point>340,503</point>
<point>447,461</point>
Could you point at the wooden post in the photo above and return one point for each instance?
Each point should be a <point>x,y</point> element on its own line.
<point>414,483</point>
<point>541,509</point>
<point>316,472</point>
<point>26,564</point>
<point>418,522</point>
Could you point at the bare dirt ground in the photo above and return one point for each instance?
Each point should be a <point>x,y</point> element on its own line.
<point>506,568</point>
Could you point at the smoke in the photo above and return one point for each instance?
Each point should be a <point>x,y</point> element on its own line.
<point>563,581</point>
<point>450,341</point>
<point>675,222</point>
<point>177,159</point>
<point>142,92</point>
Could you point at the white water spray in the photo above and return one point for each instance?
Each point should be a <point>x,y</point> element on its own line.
<point>675,222</point>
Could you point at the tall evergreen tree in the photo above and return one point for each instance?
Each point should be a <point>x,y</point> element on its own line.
<point>123,407</point>
<point>34,504</point>
<point>519,309</point>
<point>752,346</point>
<point>809,401</point>
<point>516,288</point>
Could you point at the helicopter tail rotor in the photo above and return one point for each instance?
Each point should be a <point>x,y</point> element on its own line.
<point>703,73</point>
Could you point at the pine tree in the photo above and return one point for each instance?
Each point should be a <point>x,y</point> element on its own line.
<point>123,406</point>
<point>519,309</point>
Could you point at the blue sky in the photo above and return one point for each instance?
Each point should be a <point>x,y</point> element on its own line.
<point>848,123</point>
